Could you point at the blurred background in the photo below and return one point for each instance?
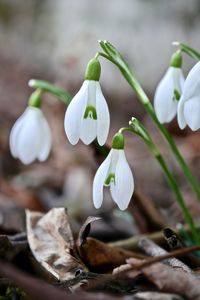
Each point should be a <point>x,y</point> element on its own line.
<point>53,40</point>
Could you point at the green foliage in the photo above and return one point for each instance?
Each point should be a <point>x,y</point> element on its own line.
<point>11,291</point>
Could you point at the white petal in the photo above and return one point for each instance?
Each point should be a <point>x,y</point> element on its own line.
<point>192,113</point>
<point>123,188</point>
<point>180,114</point>
<point>114,160</point>
<point>29,136</point>
<point>46,140</point>
<point>103,116</point>
<point>91,93</point>
<point>164,104</point>
<point>88,130</point>
<point>178,79</point>
<point>99,180</point>
<point>75,113</point>
<point>192,83</point>
<point>14,135</point>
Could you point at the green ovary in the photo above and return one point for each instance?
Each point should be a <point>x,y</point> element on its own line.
<point>177,95</point>
<point>110,179</point>
<point>90,112</point>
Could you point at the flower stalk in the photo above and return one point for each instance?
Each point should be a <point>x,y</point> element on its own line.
<point>45,86</point>
<point>115,57</point>
<point>188,50</point>
<point>137,128</point>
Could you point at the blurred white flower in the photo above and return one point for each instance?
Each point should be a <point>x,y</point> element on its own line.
<point>115,173</point>
<point>167,93</point>
<point>30,137</point>
<point>87,115</point>
<point>189,104</point>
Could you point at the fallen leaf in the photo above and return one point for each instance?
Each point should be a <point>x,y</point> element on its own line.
<point>85,230</point>
<point>100,257</point>
<point>169,279</point>
<point>51,242</point>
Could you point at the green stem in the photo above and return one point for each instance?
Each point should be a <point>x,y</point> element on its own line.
<point>188,50</point>
<point>114,56</point>
<point>179,198</point>
<point>45,86</point>
<point>140,130</point>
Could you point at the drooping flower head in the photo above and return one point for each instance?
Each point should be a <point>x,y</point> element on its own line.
<point>87,116</point>
<point>189,104</point>
<point>116,174</point>
<point>169,90</point>
<point>30,136</point>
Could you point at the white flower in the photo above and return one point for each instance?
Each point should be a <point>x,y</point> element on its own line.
<point>169,88</point>
<point>30,137</point>
<point>189,104</point>
<point>115,173</point>
<point>87,115</point>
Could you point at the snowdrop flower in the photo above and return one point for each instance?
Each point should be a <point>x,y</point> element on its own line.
<point>87,115</point>
<point>189,104</point>
<point>30,137</point>
<point>169,90</point>
<point>115,173</point>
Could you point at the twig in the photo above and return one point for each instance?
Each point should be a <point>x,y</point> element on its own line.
<point>157,237</point>
<point>175,253</point>
<point>39,289</point>
<point>152,249</point>
<point>132,243</point>
<point>143,264</point>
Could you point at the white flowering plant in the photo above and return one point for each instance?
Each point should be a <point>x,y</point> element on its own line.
<point>87,118</point>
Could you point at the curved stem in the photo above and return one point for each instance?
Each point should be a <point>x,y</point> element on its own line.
<point>139,129</point>
<point>115,57</point>
<point>45,86</point>
<point>173,184</point>
<point>188,50</point>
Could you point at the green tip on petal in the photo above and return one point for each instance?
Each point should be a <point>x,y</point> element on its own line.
<point>110,178</point>
<point>176,59</point>
<point>90,112</point>
<point>177,95</point>
<point>35,99</point>
<point>118,141</point>
<point>93,70</point>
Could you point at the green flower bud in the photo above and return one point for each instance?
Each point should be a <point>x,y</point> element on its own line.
<point>93,70</point>
<point>118,141</point>
<point>176,59</point>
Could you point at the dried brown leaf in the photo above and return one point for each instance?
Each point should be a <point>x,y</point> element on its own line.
<point>101,257</point>
<point>128,269</point>
<point>51,242</point>
<point>168,279</point>
<point>85,230</point>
